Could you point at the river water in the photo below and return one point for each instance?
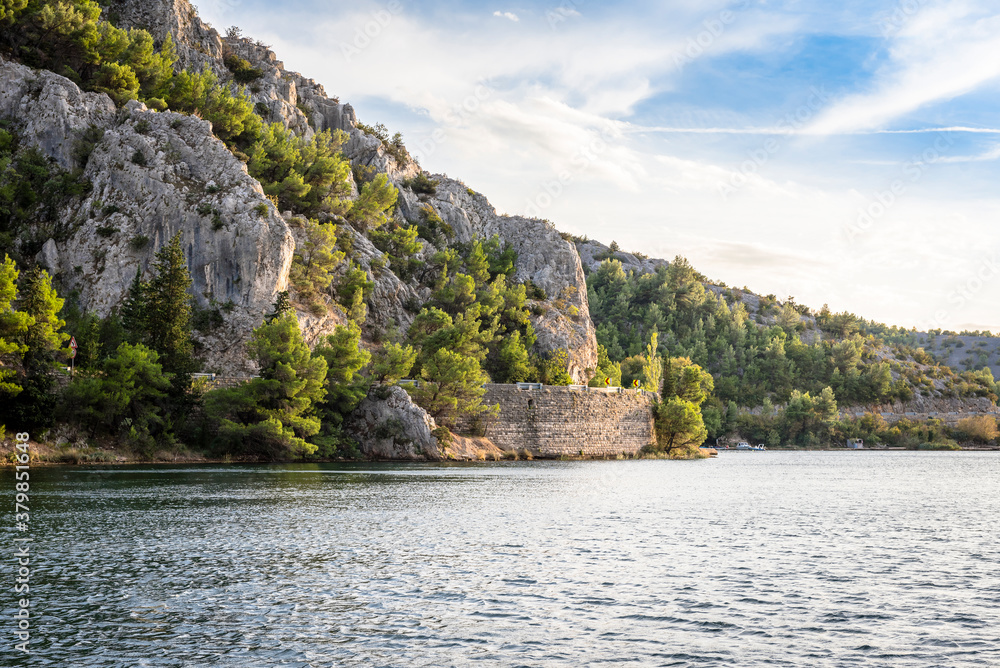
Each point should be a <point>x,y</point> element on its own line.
<point>751,559</point>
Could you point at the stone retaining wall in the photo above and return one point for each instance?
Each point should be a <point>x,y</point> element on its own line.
<point>555,421</point>
<point>215,382</point>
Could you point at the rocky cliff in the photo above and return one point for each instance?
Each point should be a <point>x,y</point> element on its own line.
<point>157,174</point>
<point>151,174</point>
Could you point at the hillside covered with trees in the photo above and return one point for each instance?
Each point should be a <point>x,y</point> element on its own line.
<point>383,279</point>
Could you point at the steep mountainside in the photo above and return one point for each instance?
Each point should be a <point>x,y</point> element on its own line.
<point>155,174</point>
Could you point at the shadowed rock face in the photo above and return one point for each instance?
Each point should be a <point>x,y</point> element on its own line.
<point>393,427</point>
<point>151,172</point>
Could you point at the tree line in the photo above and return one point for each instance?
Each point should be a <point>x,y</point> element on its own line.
<point>756,366</point>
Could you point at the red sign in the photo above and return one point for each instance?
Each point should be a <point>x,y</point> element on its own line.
<point>72,342</point>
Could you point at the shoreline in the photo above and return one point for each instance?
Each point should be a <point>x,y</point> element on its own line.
<point>133,461</point>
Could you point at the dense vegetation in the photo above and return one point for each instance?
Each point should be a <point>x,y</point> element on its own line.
<point>719,367</point>
<point>759,361</point>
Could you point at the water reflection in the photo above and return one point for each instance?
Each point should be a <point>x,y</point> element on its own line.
<point>823,559</point>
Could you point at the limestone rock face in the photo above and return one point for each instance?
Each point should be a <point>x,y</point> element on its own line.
<point>543,256</point>
<point>593,253</point>
<point>393,427</point>
<point>925,405</point>
<point>50,109</point>
<point>197,43</point>
<point>173,176</point>
<point>153,175</point>
<point>392,303</point>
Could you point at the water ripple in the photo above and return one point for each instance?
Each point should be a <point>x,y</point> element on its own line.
<point>781,559</point>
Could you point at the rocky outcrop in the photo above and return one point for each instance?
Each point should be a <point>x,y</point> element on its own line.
<point>593,253</point>
<point>543,257</point>
<point>930,406</point>
<point>296,101</point>
<point>388,425</point>
<point>391,303</point>
<point>197,44</point>
<point>154,175</point>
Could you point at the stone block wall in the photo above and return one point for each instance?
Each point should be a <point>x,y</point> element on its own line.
<point>555,421</point>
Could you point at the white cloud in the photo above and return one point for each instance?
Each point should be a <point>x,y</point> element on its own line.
<point>991,154</point>
<point>944,52</point>
<point>507,15</point>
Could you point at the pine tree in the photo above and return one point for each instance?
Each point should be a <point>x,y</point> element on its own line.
<point>42,339</point>
<point>452,387</point>
<point>13,324</point>
<point>345,386</point>
<point>392,361</point>
<point>133,312</point>
<point>271,416</point>
<point>281,306</point>
<point>168,314</point>
<point>40,342</point>
<point>680,427</point>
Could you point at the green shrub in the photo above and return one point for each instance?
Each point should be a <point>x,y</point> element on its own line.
<point>421,184</point>
<point>307,176</point>
<point>143,127</point>
<point>942,444</point>
<point>261,210</point>
<point>242,71</point>
<point>363,173</point>
<point>86,144</point>
<point>106,231</point>
<point>373,205</point>
<point>433,228</point>
<point>139,158</point>
<point>232,115</point>
<point>532,291</point>
<point>206,319</point>
<point>139,242</point>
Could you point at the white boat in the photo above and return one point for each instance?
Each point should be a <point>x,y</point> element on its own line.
<point>743,445</point>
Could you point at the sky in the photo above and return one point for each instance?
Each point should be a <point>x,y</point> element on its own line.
<point>838,153</point>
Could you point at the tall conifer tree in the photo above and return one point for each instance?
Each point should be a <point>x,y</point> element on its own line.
<point>167,316</point>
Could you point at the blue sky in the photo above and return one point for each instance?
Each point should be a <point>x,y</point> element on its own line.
<point>845,155</point>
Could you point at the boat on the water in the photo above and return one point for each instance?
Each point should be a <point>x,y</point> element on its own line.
<point>743,445</point>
